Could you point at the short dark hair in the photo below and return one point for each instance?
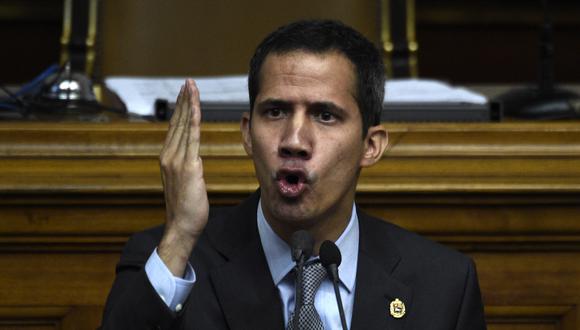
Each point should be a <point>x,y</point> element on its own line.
<point>320,36</point>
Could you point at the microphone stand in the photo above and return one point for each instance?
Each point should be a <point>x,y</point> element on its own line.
<point>330,258</point>
<point>335,281</point>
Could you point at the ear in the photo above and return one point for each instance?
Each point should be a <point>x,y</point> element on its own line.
<point>245,128</point>
<point>375,142</point>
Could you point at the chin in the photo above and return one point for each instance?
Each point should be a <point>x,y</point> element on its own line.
<point>292,212</point>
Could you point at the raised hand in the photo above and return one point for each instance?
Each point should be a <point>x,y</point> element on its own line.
<point>186,200</point>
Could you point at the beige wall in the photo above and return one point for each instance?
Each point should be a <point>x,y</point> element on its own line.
<point>207,37</point>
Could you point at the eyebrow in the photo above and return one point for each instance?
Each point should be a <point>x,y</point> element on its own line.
<point>278,103</point>
<point>329,106</point>
<point>319,105</point>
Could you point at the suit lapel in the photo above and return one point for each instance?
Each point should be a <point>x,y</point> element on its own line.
<point>376,288</point>
<point>249,298</point>
<point>243,285</point>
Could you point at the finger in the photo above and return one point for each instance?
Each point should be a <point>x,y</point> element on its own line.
<point>190,94</point>
<point>192,127</point>
<point>193,140</point>
<point>179,101</point>
<point>181,123</point>
<point>174,118</point>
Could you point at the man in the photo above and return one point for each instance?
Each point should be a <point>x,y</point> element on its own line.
<point>316,91</point>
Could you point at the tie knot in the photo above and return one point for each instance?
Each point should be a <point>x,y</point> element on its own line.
<point>314,274</point>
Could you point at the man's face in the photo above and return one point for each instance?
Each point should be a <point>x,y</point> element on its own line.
<point>305,139</point>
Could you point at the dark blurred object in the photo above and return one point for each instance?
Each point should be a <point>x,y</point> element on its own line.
<point>392,112</point>
<point>537,103</point>
<point>30,32</point>
<point>72,87</point>
<point>59,95</point>
<point>544,101</point>
<point>67,89</point>
<point>65,92</point>
<point>230,111</point>
<point>398,38</point>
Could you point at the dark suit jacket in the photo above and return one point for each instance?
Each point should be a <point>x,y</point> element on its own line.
<point>234,288</point>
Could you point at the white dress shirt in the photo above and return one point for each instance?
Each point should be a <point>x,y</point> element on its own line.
<point>280,262</point>
<point>174,290</point>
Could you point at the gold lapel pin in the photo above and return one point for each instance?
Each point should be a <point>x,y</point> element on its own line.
<point>397,308</point>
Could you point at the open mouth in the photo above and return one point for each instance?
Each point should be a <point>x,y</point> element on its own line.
<point>291,184</point>
<point>292,178</point>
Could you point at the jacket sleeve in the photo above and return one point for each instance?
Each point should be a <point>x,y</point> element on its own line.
<point>133,303</point>
<point>471,315</point>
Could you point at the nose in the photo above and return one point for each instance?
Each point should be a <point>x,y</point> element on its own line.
<point>297,138</point>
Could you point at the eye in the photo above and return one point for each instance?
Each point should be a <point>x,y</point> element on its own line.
<point>274,113</point>
<point>326,117</point>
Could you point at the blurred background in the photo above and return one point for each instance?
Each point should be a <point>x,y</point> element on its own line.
<point>464,42</point>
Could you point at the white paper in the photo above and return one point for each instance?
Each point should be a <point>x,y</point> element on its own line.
<point>428,91</point>
<point>140,93</point>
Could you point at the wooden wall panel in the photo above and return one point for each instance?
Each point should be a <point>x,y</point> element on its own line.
<point>56,279</point>
<point>49,318</point>
<point>215,37</point>
<point>532,317</point>
<point>506,194</point>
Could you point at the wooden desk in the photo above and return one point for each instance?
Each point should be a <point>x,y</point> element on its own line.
<point>508,194</point>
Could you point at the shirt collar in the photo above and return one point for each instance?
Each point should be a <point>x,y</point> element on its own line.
<point>279,258</point>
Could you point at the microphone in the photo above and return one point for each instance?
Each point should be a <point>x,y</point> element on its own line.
<point>301,244</point>
<point>330,258</point>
